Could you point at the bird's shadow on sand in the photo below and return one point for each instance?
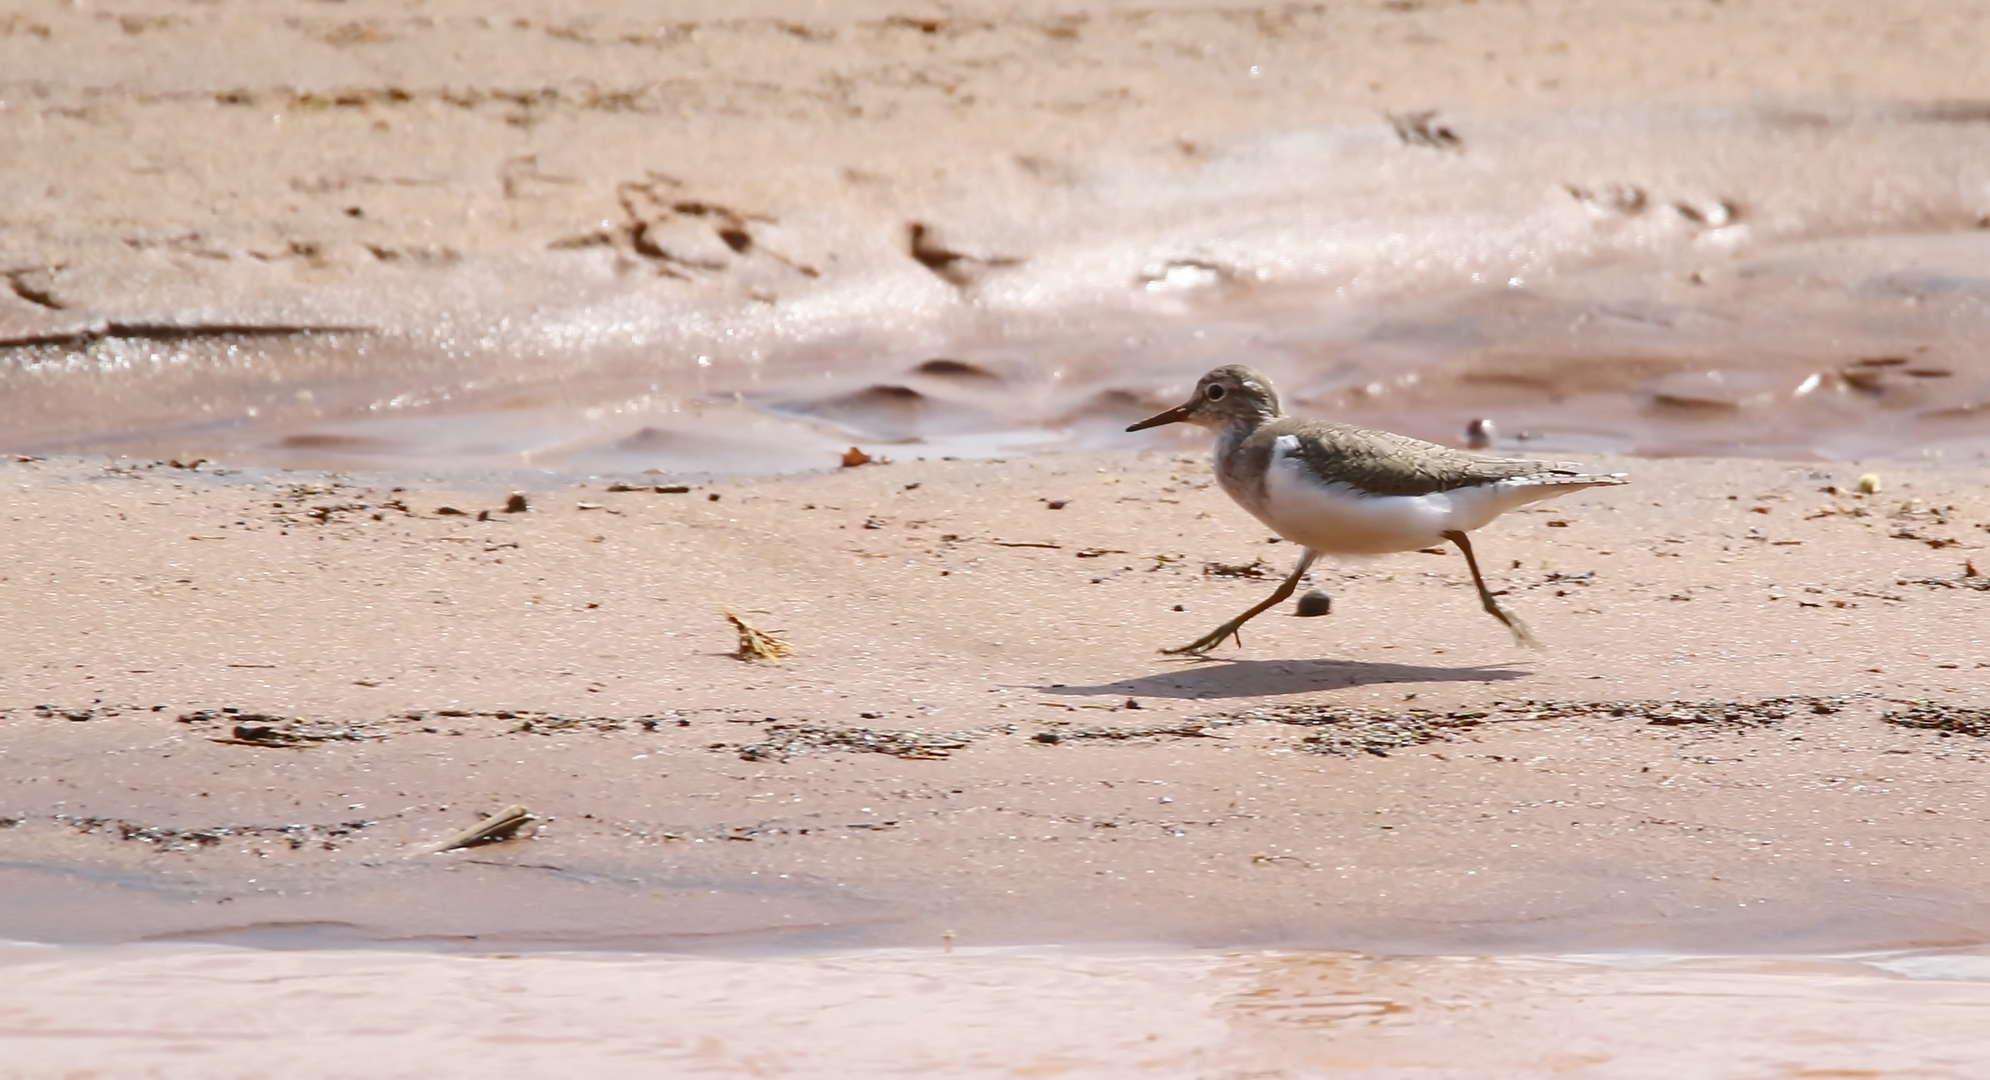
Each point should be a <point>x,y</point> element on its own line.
<point>1269,678</point>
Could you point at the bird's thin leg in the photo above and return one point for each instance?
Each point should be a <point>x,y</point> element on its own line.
<point>1521,635</point>
<point>1229,629</point>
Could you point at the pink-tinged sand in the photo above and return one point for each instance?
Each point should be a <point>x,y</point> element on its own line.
<point>574,658</point>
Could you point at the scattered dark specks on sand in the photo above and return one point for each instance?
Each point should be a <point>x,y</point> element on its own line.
<point>1256,568</point>
<point>1190,729</point>
<point>263,729</point>
<point>1610,200</point>
<point>1422,129</point>
<point>49,712</point>
<point>550,723</point>
<point>169,838</point>
<point>323,514</point>
<point>1733,714</point>
<point>1970,579</point>
<point>1348,732</point>
<point>785,740</point>
<point>1934,716</point>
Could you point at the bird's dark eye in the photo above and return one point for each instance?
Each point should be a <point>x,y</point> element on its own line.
<point>1215,393</point>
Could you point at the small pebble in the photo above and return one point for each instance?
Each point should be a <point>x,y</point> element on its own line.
<point>1869,484</point>
<point>516,504</point>
<point>1047,736</point>
<point>1314,604</point>
<point>1480,433</point>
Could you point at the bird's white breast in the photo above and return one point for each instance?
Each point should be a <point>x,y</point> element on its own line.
<point>1335,517</point>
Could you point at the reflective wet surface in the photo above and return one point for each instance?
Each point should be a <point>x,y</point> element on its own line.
<point>1737,281</point>
<point>173,1011</point>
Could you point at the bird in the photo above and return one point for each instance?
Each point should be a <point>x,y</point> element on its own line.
<point>1339,489</point>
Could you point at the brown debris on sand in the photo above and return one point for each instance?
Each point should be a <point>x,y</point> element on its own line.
<point>502,825</point>
<point>1936,716</point>
<point>757,644</point>
<point>786,739</point>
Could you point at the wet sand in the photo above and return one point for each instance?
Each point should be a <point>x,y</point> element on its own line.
<point>406,236</point>
<point>203,1011</point>
<point>975,739</point>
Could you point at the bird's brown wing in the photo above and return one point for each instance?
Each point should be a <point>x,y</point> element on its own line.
<point>1384,463</point>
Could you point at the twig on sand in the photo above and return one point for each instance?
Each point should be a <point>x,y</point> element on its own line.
<point>498,826</point>
<point>757,644</point>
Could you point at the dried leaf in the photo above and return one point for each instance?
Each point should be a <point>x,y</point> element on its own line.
<point>757,644</point>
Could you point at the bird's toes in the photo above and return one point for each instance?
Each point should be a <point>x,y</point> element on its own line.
<point>1522,636</point>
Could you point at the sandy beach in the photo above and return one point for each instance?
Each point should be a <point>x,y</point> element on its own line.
<point>242,708</point>
<point>396,398</point>
<point>236,701</point>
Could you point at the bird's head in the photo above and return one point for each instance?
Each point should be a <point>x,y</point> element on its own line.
<point>1225,396</point>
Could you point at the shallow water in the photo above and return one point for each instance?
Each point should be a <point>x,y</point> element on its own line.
<point>202,1011</point>
<point>1766,281</point>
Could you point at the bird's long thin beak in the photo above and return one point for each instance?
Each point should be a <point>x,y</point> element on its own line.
<point>1177,415</point>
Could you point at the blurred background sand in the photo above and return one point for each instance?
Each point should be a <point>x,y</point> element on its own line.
<point>726,237</point>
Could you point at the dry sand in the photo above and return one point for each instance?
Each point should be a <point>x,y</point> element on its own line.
<point>975,736</point>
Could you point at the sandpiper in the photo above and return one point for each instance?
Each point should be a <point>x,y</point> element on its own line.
<point>1346,490</point>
